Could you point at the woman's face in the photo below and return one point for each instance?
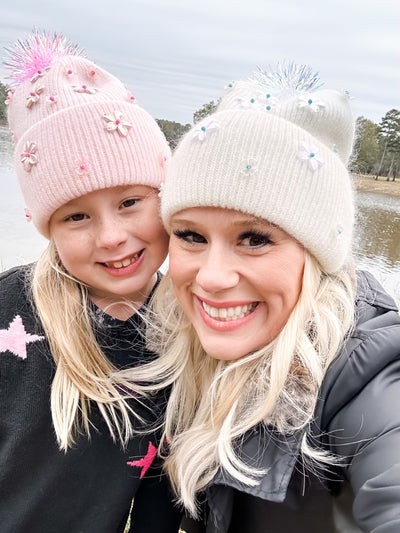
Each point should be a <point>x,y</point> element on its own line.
<point>236,277</point>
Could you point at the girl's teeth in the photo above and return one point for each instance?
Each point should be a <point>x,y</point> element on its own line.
<point>225,314</point>
<point>124,263</point>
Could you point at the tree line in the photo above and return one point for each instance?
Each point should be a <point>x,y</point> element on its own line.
<point>3,107</point>
<point>377,146</point>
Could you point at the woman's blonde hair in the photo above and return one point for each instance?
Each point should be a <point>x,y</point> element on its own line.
<point>83,373</point>
<point>214,402</point>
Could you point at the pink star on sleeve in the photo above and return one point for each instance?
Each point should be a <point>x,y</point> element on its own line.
<point>15,338</point>
<point>146,461</point>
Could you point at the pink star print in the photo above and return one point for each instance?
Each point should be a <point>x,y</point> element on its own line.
<point>146,461</point>
<point>15,338</point>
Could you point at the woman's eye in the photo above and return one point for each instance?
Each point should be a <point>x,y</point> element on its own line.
<point>77,217</point>
<point>255,240</point>
<point>130,202</point>
<point>190,236</point>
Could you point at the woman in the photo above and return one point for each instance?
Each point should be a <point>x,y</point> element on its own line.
<point>284,410</point>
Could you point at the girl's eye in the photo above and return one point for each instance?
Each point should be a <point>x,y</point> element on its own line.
<point>254,239</point>
<point>130,202</point>
<point>77,217</point>
<point>190,237</point>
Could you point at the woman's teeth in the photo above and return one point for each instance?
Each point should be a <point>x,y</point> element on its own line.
<point>124,263</point>
<point>227,314</point>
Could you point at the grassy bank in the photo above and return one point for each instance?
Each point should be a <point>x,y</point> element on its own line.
<point>369,184</point>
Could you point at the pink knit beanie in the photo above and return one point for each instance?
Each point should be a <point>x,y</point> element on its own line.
<point>76,128</point>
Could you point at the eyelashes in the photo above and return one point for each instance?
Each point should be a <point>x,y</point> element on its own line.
<point>130,202</point>
<point>190,236</point>
<point>75,217</point>
<point>181,234</point>
<point>251,239</point>
<point>255,239</point>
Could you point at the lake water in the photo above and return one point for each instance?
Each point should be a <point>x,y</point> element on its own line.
<point>377,241</point>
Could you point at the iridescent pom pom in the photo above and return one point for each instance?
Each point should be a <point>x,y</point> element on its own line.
<point>30,58</point>
<point>288,78</point>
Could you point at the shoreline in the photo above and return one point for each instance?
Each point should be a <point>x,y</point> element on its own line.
<point>367,183</point>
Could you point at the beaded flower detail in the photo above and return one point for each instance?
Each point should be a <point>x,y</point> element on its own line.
<point>116,122</point>
<point>34,96</point>
<point>28,215</point>
<point>271,102</point>
<point>28,156</point>
<point>163,160</point>
<point>310,153</point>
<point>8,98</point>
<point>84,89</point>
<point>230,85</point>
<point>38,74</point>
<point>82,169</point>
<point>13,136</point>
<point>131,98</point>
<point>248,167</point>
<point>248,102</point>
<point>201,132</point>
<point>306,100</point>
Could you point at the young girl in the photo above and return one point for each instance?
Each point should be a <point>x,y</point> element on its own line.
<point>73,448</point>
<point>284,413</point>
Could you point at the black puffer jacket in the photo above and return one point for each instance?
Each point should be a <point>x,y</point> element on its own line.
<point>357,417</point>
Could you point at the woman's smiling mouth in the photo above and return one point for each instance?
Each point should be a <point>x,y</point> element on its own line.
<point>228,314</point>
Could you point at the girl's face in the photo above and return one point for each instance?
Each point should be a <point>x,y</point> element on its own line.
<point>112,240</point>
<point>236,277</point>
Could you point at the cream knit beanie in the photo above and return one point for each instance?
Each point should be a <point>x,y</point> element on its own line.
<point>277,152</point>
<point>76,128</point>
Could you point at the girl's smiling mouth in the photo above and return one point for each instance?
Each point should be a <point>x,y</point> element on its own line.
<point>124,262</point>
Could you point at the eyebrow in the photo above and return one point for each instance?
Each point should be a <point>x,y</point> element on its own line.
<point>254,221</point>
<point>251,221</point>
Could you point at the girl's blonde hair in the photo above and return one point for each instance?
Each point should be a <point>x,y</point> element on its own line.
<point>83,373</point>
<point>214,402</point>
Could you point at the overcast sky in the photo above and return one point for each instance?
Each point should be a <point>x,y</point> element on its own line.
<point>176,55</point>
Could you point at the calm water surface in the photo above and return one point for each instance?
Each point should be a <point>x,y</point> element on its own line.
<point>377,241</point>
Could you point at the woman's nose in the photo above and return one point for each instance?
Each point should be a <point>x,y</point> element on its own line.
<point>217,271</point>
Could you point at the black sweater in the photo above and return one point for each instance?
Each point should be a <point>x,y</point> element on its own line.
<point>88,489</point>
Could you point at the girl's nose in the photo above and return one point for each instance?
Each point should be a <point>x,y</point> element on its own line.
<point>217,272</point>
<point>110,233</point>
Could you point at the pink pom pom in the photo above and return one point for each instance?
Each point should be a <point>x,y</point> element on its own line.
<point>31,57</point>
